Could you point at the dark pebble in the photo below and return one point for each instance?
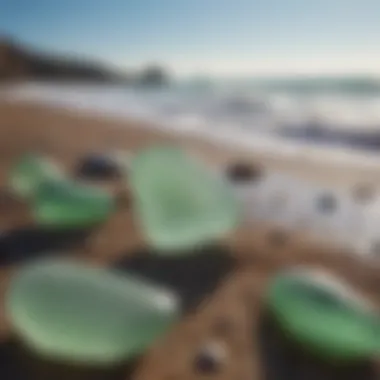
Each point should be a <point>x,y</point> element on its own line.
<point>326,203</point>
<point>210,358</point>
<point>98,167</point>
<point>243,173</point>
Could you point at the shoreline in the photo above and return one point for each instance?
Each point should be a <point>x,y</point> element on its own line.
<point>309,165</point>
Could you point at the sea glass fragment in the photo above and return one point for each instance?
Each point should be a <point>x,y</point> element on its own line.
<point>65,203</point>
<point>325,314</point>
<point>29,172</point>
<point>73,313</point>
<point>179,203</point>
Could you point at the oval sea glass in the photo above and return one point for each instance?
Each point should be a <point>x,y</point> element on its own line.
<point>180,205</point>
<point>73,313</point>
<point>68,204</point>
<point>325,314</point>
<point>29,172</point>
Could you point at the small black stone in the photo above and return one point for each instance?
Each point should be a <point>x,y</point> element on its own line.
<point>209,360</point>
<point>98,167</point>
<point>243,172</point>
<point>326,203</point>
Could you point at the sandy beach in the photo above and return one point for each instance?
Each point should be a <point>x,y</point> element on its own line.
<point>40,125</point>
<point>66,135</point>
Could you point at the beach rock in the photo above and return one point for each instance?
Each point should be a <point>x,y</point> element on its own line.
<point>98,167</point>
<point>73,313</point>
<point>326,203</point>
<point>324,314</point>
<point>210,358</point>
<point>66,204</point>
<point>29,172</point>
<point>20,61</point>
<point>179,204</point>
<point>243,173</point>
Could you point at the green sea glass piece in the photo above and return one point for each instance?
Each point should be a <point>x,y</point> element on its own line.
<point>73,313</point>
<point>180,204</point>
<point>325,314</point>
<point>64,203</point>
<point>29,172</point>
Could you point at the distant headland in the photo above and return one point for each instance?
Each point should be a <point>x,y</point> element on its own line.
<point>20,62</point>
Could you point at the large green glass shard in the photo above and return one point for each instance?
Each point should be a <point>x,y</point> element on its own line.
<point>29,172</point>
<point>71,312</point>
<point>64,203</point>
<point>179,203</point>
<point>325,315</point>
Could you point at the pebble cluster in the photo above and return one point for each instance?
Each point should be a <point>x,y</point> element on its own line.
<point>349,218</point>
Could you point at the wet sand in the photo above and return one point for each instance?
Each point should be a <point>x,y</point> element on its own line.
<point>230,315</point>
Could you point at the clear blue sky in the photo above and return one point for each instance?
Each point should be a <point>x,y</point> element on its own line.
<point>210,36</point>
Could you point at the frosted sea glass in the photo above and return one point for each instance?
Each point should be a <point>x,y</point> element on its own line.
<point>179,203</point>
<point>73,313</point>
<point>27,174</point>
<point>325,314</point>
<point>65,203</point>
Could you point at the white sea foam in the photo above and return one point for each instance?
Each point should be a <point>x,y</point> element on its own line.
<point>251,122</point>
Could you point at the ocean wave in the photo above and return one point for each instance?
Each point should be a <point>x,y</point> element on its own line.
<point>282,123</point>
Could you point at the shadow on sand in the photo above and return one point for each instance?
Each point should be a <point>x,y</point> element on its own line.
<point>30,242</point>
<point>18,363</point>
<point>193,277</point>
<point>283,360</point>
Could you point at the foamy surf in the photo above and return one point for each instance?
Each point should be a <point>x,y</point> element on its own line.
<point>257,129</point>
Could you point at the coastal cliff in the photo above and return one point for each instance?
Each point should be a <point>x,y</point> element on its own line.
<point>19,62</point>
